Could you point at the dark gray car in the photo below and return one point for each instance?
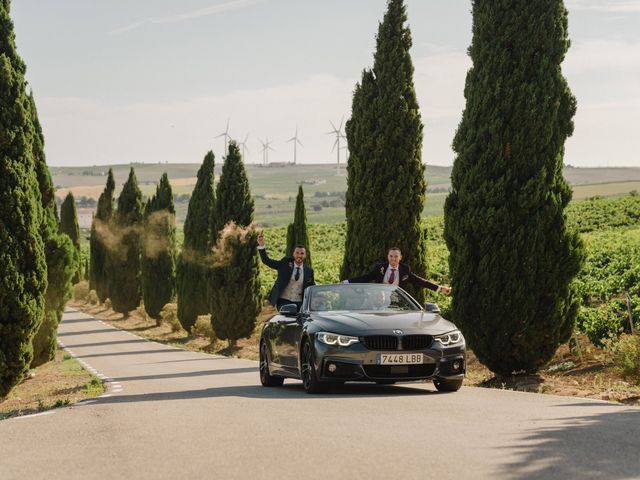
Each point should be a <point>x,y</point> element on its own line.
<point>361,332</point>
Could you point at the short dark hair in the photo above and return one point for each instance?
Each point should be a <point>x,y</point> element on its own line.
<point>394,248</point>
<point>300,246</point>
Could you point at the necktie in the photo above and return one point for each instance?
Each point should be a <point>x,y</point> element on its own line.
<point>392,275</point>
<point>297,275</point>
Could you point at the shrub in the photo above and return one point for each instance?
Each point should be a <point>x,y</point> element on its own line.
<point>203,328</point>
<point>93,297</point>
<point>81,290</point>
<point>140,310</point>
<point>107,304</point>
<point>599,323</point>
<point>169,314</point>
<point>626,357</point>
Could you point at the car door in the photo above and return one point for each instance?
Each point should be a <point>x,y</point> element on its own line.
<point>290,330</point>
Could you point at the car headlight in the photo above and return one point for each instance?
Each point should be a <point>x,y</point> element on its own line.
<point>450,338</point>
<point>335,339</point>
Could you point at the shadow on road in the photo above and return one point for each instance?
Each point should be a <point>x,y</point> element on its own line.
<point>566,451</point>
<point>141,352</point>
<point>293,391</point>
<point>101,344</point>
<point>80,320</point>
<point>202,373</point>
<point>86,332</point>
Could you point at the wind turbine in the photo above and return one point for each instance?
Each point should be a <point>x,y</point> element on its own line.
<point>243,144</point>
<point>226,136</point>
<point>338,133</point>
<point>295,141</point>
<point>266,146</point>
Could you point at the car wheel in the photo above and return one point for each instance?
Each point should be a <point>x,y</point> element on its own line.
<point>448,385</point>
<point>266,378</point>
<point>310,380</point>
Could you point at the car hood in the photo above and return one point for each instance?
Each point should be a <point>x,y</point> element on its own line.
<point>380,323</point>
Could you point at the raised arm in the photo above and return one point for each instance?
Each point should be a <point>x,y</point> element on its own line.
<point>424,283</point>
<point>366,278</point>
<point>262,250</point>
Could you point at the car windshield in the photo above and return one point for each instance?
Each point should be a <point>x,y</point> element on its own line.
<point>377,297</point>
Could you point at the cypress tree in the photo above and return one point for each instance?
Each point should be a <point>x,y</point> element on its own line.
<point>69,225</point>
<point>385,183</point>
<point>23,269</point>
<point>235,286</point>
<point>233,196</point>
<point>297,233</point>
<point>512,258</point>
<point>99,231</point>
<point>123,270</point>
<point>159,250</point>
<point>191,269</point>
<point>60,254</point>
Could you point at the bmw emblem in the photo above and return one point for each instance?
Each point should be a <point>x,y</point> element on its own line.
<point>397,332</point>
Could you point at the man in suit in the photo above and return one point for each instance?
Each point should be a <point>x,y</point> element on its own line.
<point>294,276</point>
<point>396,273</point>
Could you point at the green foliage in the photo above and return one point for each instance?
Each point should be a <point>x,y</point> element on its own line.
<point>297,232</point>
<point>512,257</point>
<point>69,226</point>
<point>386,186</point>
<point>626,357</point>
<point>99,233</point>
<point>234,279</point>
<point>60,254</point>
<point>599,214</point>
<point>234,202</point>
<point>159,250</point>
<point>123,260</point>
<point>235,294</point>
<point>203,328</point>
<point>191,270</point>
<point>169,314</point>
<point>23,269</point>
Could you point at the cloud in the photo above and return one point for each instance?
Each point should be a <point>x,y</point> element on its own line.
<point>602,55</point>
<point>610,6</point>
<point>203,12</point>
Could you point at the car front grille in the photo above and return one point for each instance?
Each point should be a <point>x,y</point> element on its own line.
<point>381,342</point>
<point>400,371</point>
<point>394,342</point>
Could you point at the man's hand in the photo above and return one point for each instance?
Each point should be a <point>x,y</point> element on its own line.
<point>445,290</point>
<point>261,239</point>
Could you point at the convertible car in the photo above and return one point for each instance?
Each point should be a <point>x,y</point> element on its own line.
<point>363,333</point>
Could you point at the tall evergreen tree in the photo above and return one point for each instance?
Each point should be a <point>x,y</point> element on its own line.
<point>233,196</point>
<point>512,258</point>
<point>123,260</point>
<point>234,282</point>
<point>23,269</point>
<point>100,226</point>
<point>159,250</point>
<point>297,233</point>
<point>385,184</point>
<point>69,225</point>
<point>191,268</point>
<point>60,254</point>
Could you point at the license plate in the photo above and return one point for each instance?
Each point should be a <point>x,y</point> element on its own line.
<point>399,358</point>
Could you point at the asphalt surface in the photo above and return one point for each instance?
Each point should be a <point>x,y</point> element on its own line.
<point>170,413</point>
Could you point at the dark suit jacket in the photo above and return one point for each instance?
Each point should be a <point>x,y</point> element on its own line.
<point>285,270</point>
<point>406,276</point>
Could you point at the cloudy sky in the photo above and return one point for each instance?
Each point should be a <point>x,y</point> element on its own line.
<point>157,80</point>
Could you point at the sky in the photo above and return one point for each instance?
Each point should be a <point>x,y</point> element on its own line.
<point>157,80</point>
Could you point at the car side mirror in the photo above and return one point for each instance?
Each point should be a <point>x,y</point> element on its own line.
<point>431,307</point>
<point>289,310</point>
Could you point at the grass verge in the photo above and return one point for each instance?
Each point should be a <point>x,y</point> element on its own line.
<point>60,382</point>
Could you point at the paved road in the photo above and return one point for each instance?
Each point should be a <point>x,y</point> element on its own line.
<point>176,414</point>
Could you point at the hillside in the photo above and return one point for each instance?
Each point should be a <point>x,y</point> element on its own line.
<point>275,187</point>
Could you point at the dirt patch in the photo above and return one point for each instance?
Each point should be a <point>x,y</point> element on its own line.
<point>586,372</point>
<point>55,384</point>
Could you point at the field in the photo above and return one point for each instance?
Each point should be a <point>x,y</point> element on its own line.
<point>275,187</point>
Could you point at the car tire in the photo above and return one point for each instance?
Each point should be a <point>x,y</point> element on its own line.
<point>310,380</point>
<point>448,385</point>
<point>266,378</point>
